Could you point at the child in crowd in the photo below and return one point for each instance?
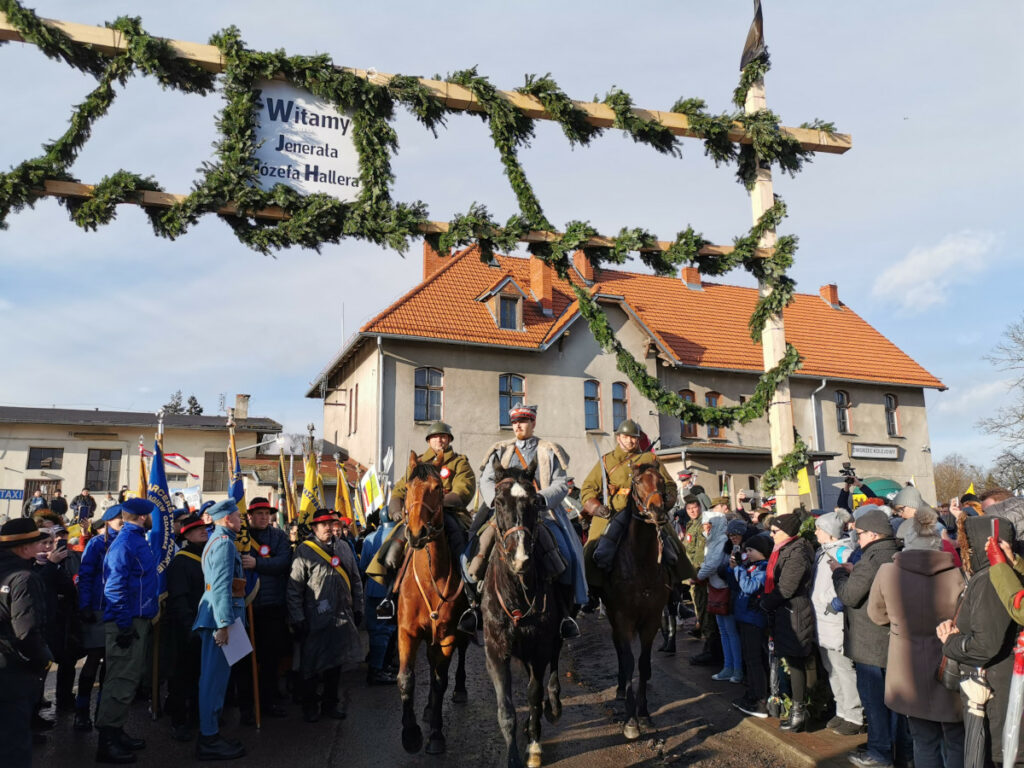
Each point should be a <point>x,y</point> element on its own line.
<point>747,580</point>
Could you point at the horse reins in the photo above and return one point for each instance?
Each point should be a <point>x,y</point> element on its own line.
<point>435,612</point>
<point>643,505</point>
<point>515,615</point>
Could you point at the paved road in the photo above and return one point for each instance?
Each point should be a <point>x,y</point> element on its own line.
<point>691,728</point>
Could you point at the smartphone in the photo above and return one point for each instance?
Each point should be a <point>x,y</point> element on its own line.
<point>61,545</point>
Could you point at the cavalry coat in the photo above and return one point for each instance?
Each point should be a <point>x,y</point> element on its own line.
<point>619,465</point>
<point>459,479</point>
<point>790,613</point>
<point>864,641</point>
<point>913,594</point>
<point>319,595</point>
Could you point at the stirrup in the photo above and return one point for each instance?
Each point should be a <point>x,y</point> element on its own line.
<point>468,622</point>
<point>386,609</point>
<point>569,629</point>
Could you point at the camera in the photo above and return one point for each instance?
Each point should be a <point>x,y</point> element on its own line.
<point>848,472</point>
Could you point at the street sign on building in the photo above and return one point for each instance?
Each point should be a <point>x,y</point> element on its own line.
<point>11,494</point>
<point>867,451</point>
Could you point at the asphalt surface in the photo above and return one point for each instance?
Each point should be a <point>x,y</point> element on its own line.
<point>692,725</point>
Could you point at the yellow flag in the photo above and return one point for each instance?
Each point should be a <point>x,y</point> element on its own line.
<point>143,478</point>
<point>803,483</point>
<point>309,503</point>
<point>970,489</point>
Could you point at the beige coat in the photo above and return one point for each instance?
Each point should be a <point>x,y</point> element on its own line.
<point>913,594</point>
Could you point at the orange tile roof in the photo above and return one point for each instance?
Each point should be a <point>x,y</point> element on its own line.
<point>705,328</point>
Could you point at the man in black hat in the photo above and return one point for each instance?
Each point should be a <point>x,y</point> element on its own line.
<point>24,656</point>
<point>185,587</point>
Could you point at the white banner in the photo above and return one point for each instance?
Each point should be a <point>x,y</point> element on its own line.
<point>306,143</point>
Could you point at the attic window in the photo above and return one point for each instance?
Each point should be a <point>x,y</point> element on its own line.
<point>508,312</point>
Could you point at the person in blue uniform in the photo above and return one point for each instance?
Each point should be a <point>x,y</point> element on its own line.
<point>130,603</point>
<point>222,603</point>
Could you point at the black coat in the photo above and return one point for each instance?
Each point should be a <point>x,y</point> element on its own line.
<point>864,641</point>
<point>790,612</point>
<point>273,567</point>
<point>22,615</point>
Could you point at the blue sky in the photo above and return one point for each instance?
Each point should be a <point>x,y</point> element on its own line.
<point>918,223</point>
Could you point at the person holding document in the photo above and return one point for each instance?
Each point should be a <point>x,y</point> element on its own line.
<point>221,612</point>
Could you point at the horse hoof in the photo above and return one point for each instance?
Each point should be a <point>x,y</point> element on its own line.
<point>533,755</point>
<point>620,694</point>
<point>460,697</point>
<point>552,713</point>
<point>436,745</point>
<point>412,739</point>
<point>631,731</point>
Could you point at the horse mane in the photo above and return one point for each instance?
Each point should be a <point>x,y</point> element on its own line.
<point>424,470</point>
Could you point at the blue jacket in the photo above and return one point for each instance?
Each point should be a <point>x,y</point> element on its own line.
<point>221,563</point>
<point>129,578</point>
<point>272,567</point>
<point>90,572</point>
<point>371,544</point>
<point>749,579</point>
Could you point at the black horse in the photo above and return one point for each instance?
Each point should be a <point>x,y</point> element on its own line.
<point>521,612</point>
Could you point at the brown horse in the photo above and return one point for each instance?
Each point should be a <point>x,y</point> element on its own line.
<point>430,601</point>
<point>637,591</point>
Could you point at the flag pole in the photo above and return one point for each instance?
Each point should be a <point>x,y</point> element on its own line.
<point>232,462</point>
<point>155,696</point>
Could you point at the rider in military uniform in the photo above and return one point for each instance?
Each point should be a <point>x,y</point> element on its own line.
<point>459,488</point>
<point>552,485</point>
<point>223,602</point>
<point>607,526</point>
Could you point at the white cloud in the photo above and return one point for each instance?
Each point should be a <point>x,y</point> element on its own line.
<point>925,276</point>
<point>971,400</point>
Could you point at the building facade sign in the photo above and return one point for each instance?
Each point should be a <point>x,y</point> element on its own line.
<point>305,143</point>
<point>867,451</point>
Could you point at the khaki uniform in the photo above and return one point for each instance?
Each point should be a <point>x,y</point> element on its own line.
<point>693,543</point>
<point>619,466</point>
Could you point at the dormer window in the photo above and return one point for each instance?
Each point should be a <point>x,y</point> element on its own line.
<point>508,312</point>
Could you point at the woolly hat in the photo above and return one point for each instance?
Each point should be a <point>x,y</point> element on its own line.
<point>833,523</point>
<point>875,521</point>
<point>761,543</point>
<point>863,509</point>
<point>790,524</point>
<point>223,509</point>
<point>919,532</point>
<point>909,496</point>
<point>736,528</point>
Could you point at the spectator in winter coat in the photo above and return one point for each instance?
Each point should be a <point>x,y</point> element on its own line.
<point>715,557</point>
<point>787,600</point>
<point>59,504</point>
<point>830,530</point>
<point>694,543</point>
<point>748,577</point>
<point>85,498</point>
<point>62,627</point>
<point>913,594</point>
<point>864,642</point>
<point>983,633</point>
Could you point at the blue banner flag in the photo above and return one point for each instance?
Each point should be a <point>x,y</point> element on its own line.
<point>161,536</point>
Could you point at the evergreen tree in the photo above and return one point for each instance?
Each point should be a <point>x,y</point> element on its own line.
<point>175,404</point>
<point>194,408</point>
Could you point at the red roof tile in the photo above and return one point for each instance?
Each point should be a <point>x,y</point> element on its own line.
<point>703,328</point>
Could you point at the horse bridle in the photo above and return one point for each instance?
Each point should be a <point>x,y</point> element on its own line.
<point>515,615</point>
<point>643,505</point>
<point>431,531</point>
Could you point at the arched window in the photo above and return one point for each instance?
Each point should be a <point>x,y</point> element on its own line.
<point>892,415</point>
<point>687,429</point>
<point>511,392</point>
<point>591,404</point>
<point>429,391</point>
<point>712,399</point>
<point>620,403</point>
<point>843,411</point>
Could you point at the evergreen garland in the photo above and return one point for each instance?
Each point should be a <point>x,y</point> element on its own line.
<point>312,220</point>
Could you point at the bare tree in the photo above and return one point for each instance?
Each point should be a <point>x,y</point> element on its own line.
<point>1008,421</point>
<point>175,404</point>
<point>953,475</point>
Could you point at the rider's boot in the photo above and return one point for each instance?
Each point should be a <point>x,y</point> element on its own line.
<point>670,635</point>
<point>604,554</point>
<point>470,620</point>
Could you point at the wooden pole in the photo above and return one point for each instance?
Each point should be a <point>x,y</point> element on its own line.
<point>255,668</point>
<point>773,338</point>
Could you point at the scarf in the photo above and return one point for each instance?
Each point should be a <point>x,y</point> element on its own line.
<point>769,579</point>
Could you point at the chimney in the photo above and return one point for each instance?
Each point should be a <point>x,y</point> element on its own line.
<point>583,266</point>
<point>691,278</point>
<point>242,406</point>
<point>830,295</point>
<point>433,259</point>
<point>541,279</point>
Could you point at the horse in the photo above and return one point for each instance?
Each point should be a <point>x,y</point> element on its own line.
<point>430,601</point>
<point>638,589</point>
<point>521,612</point>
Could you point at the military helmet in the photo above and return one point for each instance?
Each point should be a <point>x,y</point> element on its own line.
<point>439,428</point>
<point>628,427</point>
